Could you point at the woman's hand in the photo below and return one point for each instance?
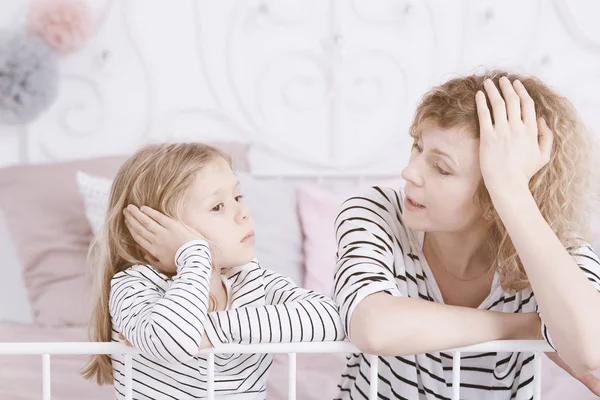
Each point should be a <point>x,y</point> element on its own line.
<point>517,145</point>
<point>589,380</point>
<point>532,331</point>
<point>159,235</point>
<point>529,327</point>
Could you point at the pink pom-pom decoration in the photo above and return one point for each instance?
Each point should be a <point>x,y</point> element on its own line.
<point>65,25</point>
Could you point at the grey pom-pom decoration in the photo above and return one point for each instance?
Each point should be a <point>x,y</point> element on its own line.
<point>28,77</point>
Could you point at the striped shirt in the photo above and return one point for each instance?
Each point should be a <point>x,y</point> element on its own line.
<point>378,253</point>
<point>166,319</point>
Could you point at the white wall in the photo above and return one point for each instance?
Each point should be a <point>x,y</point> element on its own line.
<point>317,85</point>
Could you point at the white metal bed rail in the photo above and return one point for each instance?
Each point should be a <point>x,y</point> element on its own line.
<point>48,349</point>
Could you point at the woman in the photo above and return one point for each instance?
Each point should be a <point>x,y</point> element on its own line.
<point>482,244</point>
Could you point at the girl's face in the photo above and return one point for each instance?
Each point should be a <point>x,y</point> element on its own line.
<point>214,208</point>
<point>442,175</point>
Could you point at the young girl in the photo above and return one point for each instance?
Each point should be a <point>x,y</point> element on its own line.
<point>177,275</point>
<point>481,244</point>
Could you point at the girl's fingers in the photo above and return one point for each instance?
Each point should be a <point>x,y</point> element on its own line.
<point>497,102</point>
<point>483,113</point>
<point>513,103</point>
<point>157,216</point>
<point>527,105</point>
<point>139,239</point>
<point>135,226</point>
<point>125,340</point>
<point>149,223</point>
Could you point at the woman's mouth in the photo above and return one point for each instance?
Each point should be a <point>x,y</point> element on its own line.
<point>412,205</point>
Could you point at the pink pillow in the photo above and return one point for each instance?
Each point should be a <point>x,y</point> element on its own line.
<point>45,216</point>
<point>51,235</point>
<point>318,209</point>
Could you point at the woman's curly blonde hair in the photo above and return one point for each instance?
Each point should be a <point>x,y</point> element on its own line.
<point>564,189</point>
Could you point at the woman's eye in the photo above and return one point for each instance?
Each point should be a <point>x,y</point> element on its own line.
<point>415,146</point>
<point>218,207</point>
<point>442,171</point>
<point>239,198</point>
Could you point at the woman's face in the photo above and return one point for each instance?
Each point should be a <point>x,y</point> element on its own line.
<point>214,208</point>
<point>442,177</point>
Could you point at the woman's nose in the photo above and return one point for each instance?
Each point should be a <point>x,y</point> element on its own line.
<point>411,173</point>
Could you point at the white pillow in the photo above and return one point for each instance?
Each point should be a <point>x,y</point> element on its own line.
<point>95,191</point>
<point>271,202</point>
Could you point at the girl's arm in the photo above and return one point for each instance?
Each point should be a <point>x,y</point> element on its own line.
<point>290,314</point>
<point>168,325</point>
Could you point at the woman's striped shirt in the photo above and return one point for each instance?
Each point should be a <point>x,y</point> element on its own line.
<point>378,253</point>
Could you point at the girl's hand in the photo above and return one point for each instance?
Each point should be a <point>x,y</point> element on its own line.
<point>159,235</point>
<point>127,342</point>
<point>517,145</point>
<point>589,380</point>
<point>204,345</point>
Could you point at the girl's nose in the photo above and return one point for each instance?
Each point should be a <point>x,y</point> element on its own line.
<point>243,212</point>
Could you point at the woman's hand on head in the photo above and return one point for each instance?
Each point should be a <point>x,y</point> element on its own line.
<point>159,235</point>
<point>517,145</point>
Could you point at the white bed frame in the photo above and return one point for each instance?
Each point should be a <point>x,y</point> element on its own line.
<point>48,349</point>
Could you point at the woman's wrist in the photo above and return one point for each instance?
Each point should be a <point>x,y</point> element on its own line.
<point>523,326</point>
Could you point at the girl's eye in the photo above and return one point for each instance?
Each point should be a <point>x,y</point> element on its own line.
<point>415,146</point>
<point>441,171</point>
<point>218,207</point>
<point>239,198</point>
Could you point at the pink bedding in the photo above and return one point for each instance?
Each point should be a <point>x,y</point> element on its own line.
<point>21,376</point>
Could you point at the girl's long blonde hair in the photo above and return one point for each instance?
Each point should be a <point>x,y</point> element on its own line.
<point>157,176</point>
<point>564,189</point>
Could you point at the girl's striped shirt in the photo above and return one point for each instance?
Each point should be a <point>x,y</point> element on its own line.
<point>166,319</point>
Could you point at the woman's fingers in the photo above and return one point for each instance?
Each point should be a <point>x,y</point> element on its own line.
<point>527,105</point>
<point>483,113</point>
<point>512,100</point>
<point>497,102</point>
<point>591,382</point>
<point>545,140</point>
